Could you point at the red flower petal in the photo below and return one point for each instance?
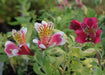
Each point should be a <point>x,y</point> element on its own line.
<point>84,26</point>
<point>85,20</point>
<point>91,22</point>
<point>95,26</point>
<point>94,19</point>
<point>25,50</point>
<point>75,25</point>
<point>81,36</point>
<point>98,39</point>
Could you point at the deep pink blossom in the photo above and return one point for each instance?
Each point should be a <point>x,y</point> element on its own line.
<point>89,31</point>
<point>12,50</point>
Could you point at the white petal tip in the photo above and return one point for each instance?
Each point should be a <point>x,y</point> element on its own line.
<point>63,41</point>
<point>37,25</point>
<point>53,44</point>
<point>10,56</point>
<point>42,46</point>
<point>8,42</point>
<point>13,31</point>
<point>24,29</point>
<point>15,52</point>
<point>61,33</point>
<point>44,22</point>
<point>35,41</point>
<point>21,45</point>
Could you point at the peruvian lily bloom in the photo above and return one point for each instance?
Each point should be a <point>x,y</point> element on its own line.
<point>89,31</point>
<point>45,30</point>
<point>12,50</point>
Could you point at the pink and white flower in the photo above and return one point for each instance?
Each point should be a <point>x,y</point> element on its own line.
<point>12,50</point>
<point>45,30</point>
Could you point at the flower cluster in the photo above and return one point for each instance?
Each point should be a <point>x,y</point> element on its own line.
<point>44,30</point>
<point>86,31</point>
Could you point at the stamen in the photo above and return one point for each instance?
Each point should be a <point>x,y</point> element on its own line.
<point>17,36</point>
<point>90,39</point>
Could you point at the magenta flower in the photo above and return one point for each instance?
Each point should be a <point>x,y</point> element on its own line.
<point>45,30</point>
<point>62,3</point>
<point>79,3</point>
<point>12,50</point>
<point>89,31</point>
<point>75,25</point>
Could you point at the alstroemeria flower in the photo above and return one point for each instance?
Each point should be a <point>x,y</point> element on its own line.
<point>45,30</point>
<point>89,31</point>
<point>13,50</point>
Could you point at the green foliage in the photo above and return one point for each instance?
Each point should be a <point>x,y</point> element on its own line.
<point>91,13</point>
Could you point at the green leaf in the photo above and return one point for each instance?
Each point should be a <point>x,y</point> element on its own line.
<point>91,13</point>
<point>98,2</point>
<point>20,71</point>
<point>28,6</point>
<point>56,72</point>
<point>4,58</point>
<point>98,72</point>
<point>46,60</point>
<point>76,51</point>
<point>39,58</point>
<point>89,52</point>
<point>36,68</point>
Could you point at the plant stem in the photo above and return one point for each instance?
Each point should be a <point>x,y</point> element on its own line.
<point>98,57</point>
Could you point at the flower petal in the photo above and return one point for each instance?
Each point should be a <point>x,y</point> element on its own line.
<point>44,23</point>
<point>94,26</point>
<point>85,27</point>
<point>94,19</point>
<point>24,30</point>
<point>75,25</point>
<point>91,22</point>
<point>15,52</point>
<point>81,36</point>
<point>9,47</point>
<point>85,20</point>
<point>58,39</point>
<point>98,39</point>
<point>42,46</point>
<point>37,25</point>
<point>35,41</point>
<point>25,50</point>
